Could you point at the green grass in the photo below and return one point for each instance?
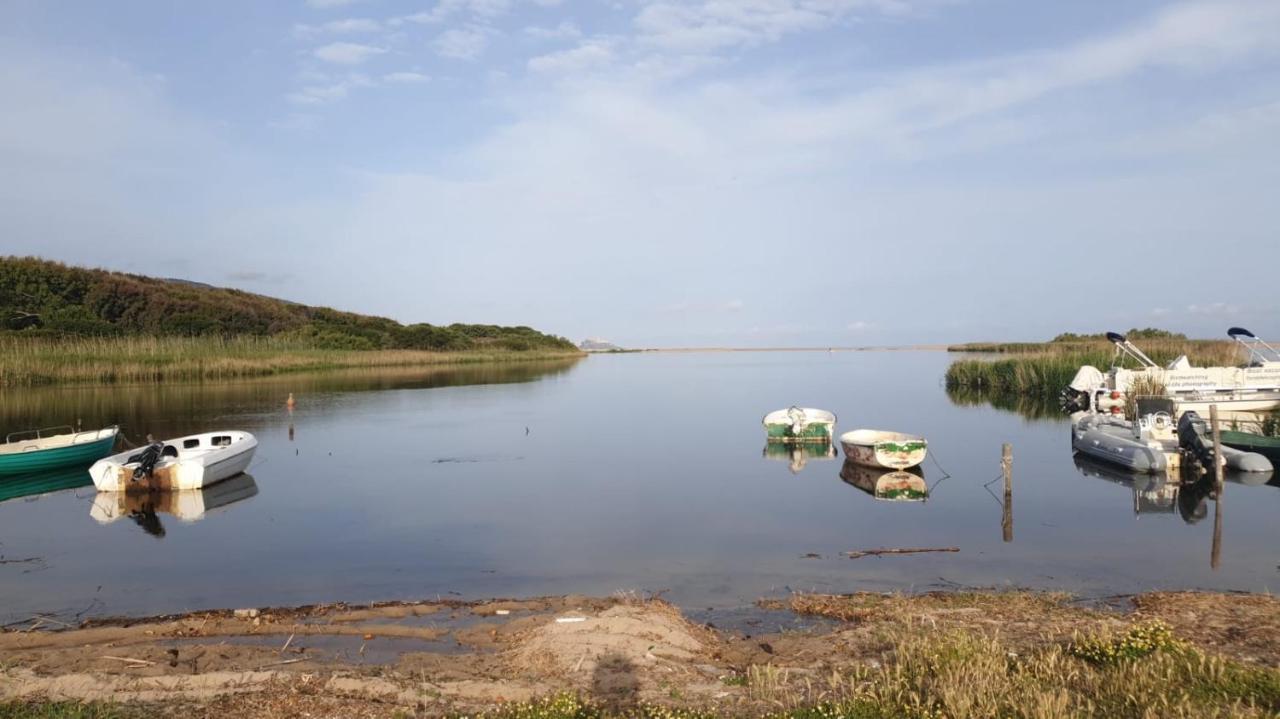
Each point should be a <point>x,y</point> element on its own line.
<point>1047,367</point>
<point>27,361</point>
<point>1145,672</point>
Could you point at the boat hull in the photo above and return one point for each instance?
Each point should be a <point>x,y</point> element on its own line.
<point>886,450</point>
<point>1106,440</point>
<point>191,471</point>
<point>814,425</point>
<point>44,460</point>
<point>1268,447</point>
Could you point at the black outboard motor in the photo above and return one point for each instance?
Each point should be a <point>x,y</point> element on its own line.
<point>147,460</point>
<point>1073,400</point>
<point>1194,436</point>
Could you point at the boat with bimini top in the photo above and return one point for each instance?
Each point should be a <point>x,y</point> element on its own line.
<point>1252,387</point>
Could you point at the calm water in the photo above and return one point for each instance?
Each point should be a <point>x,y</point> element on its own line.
<point>638,471</point>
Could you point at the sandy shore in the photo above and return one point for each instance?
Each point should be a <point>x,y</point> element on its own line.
<point>436,658</point>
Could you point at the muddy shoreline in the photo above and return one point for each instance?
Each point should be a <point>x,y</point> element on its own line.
<point>440,657</point>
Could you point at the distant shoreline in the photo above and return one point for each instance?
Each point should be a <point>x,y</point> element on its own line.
<point>887,348</point>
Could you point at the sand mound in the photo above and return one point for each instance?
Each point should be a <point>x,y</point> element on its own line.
<point>622,637</point>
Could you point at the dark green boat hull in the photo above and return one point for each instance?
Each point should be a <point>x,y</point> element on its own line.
<point>1268,447</point>
<point>46,459</point>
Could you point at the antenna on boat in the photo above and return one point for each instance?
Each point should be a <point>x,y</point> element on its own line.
<point>1124,345</point>
<point>1259,351</point>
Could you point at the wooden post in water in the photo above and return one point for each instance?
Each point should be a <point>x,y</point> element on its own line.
<point>1006,466</point>
<point>1217,449</point>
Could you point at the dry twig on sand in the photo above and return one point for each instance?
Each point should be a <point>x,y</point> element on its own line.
<point>878,552</point>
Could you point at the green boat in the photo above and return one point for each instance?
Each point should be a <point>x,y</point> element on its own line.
<point>40,450</point>
<point>27,485</point>
<point>799,424</point>
<point>1268,447</point>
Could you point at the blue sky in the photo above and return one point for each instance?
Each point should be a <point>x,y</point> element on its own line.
<point>750,173</point>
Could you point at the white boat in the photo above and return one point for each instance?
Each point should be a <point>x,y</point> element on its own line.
<point>1253,387</point>
<point>190,462</point>
<point>878,448</point>
<point>799,424</point>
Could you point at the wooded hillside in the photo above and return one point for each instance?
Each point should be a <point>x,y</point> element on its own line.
<point>43,298</point>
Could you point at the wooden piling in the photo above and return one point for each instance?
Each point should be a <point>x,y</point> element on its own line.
<point>1006,467</point>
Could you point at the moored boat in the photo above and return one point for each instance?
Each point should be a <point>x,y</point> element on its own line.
<point>799,424</point>
<point>1268,447</point>
<point>190,462</point>
<point>899,485</point>
<point>880,448</point>
<point>1238,391</point>
<point>65,447</point>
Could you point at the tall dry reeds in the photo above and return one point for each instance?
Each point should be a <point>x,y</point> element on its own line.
<point>99,360</point>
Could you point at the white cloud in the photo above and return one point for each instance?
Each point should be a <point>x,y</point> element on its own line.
<point>352,25</point>
<point>461,43</point>
<point>347,53</point>
<point>566,30</point>
<point>859,326</point>
<point>590,55</point>
<point>405,77</point>
<point>710,25</point>
<point>327,4</point>
<point>331,92</point>
<point>483,10</point>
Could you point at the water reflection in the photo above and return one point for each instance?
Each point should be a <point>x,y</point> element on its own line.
<point>889,485</point>
<point>1152,493</point>
<point>1034,407</point>
<point>188,505</point>
<point>171,410</point>
<point>799,454</point>
<point>42,483</point>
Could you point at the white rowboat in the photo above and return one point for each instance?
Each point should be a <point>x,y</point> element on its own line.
<point>878,448</point>
<point>190,462</point>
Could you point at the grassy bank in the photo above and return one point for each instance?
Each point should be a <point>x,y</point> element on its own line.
<point>872,656</point>
<point>29,361</point>
<point>1043,369</point>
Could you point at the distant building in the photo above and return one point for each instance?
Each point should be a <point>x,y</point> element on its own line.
<point>595,344</point>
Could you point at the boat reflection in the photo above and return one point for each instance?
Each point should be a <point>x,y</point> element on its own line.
<point>906,485</point>
<point>1152,493</point>
<point>1183,492</point>
<point>188,505</point>
<point>41,483</point>
<point>799,454</point>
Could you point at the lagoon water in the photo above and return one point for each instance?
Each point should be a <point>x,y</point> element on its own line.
<point>618,472</point>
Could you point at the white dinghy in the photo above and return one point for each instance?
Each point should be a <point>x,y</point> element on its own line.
<point>878,448</point>
<point>190,462</point>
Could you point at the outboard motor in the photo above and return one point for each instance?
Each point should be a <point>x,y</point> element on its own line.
<point>1194,436</point>
<point>147,460</point>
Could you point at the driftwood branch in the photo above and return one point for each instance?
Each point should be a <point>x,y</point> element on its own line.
<point>878,552</point>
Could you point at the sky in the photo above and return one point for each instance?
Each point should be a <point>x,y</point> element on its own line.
<point>660,173</point>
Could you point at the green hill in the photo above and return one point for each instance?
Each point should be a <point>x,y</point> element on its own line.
<point>39,298</point>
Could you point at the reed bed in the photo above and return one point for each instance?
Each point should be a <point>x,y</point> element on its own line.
<point>128,360</point>
<point>1044,369</point>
